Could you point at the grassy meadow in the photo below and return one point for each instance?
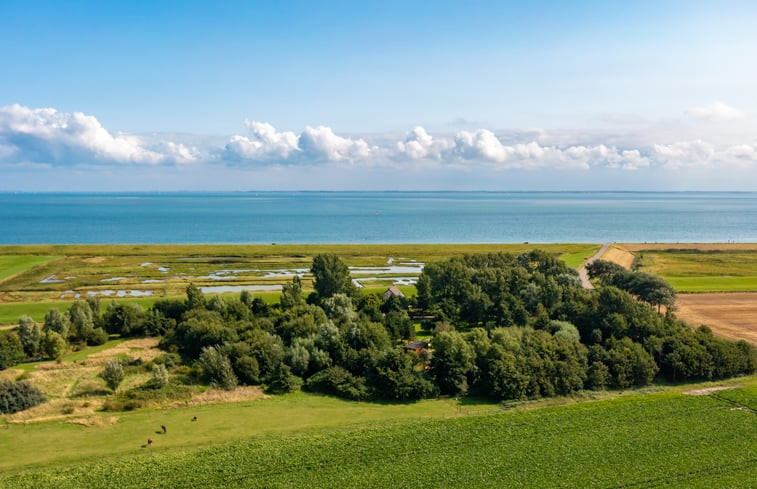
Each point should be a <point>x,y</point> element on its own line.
<point>674,440</point>
<point>703,270</point>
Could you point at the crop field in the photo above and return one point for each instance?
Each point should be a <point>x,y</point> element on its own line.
<point>662,439</point>
<point>148,271</point>
<point>733,315</point>
<point>722,269</point>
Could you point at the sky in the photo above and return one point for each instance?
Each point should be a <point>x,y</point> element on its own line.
<point>437,95</point>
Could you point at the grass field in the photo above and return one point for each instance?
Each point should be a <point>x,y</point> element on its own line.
<point>662,439</point>
<point>13,265</point>
<point>704,270</point>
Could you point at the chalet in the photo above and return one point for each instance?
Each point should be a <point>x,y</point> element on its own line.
<point>393,291</point>
<point>416,346</point>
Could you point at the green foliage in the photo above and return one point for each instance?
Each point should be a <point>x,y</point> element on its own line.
<point>30,335</point>
<point>331,276</point>
<point>452,363</point>
<point>284,381</point>
<point>392,376</point>
<point>125,318</point>
<point>11,349</point>
<point>113,373</point>
<point>159,377</point>
<point>216,367</point>
<point>291,294</point>
<point>18,396</point>
<point>57,322</point>
<point>53,345</point>
<point>339,382</point>
<point>195,297</point>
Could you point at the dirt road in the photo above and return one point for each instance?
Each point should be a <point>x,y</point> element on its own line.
<point>582,271</point>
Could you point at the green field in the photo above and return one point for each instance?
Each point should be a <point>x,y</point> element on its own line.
<point>703,271</point>
<point>661,439</point>
<point>13,265</point>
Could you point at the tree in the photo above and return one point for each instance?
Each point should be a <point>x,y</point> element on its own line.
<point>331,276</point>
<point>30,335</point>
<point>11,349</point>
<point>81,320</point>
<point>55,321</point>
<point>53,345</point>
<point>113,373</point>
<point>284,381</point>
<point>452,363</point>
<point>217,368</point>
<point>195,297</point>
<point>291,294</point>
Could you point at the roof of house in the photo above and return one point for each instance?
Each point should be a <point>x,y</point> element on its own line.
<point>393,290</point>
<point>415,345</point>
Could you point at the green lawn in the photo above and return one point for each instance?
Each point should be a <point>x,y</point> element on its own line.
<point>12,265</point>
<point>576,259</point>
<point>713,284</point>
<point>703,271</point>
<point>662,439</point>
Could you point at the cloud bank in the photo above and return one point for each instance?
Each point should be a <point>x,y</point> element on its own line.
<point>47,137</point>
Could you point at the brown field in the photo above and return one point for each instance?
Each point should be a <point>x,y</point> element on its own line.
<point>619,255</point>
<point>733,315</point>
<point>632,247</point>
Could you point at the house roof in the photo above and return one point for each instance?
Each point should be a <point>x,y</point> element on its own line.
<point>393,290</point>
<point>415,345</point>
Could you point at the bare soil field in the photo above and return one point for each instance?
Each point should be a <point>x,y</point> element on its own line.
<point>733,315</point>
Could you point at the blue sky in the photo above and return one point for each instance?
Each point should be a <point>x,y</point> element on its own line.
<point>381,95</point>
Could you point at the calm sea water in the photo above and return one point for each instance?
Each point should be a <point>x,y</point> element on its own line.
<point>378,217</point>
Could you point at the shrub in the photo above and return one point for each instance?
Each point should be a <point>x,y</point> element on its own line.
<point>17,396</point>
<point>284,381</point>
<point>113,373</point>
<point>159,376</point>
<point>339,382</point>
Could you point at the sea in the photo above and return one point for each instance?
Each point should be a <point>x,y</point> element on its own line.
<point>378,217</point>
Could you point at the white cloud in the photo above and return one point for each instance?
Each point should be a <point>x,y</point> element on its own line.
<point>716,111</point>
<point>418,145</point>
<point>314,144</point>
<point>48,136</point>
<point>322,144</point>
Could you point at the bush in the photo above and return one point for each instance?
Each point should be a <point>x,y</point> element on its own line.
<point>159,376</point>
<point>17,396</point>
<point>339,382</point>
<point>284,381</point>
<point>113,373</point>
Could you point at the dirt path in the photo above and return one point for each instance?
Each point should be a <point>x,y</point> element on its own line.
<point>582,271</point>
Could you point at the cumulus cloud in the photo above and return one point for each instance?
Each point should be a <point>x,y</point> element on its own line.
<point>702,154</point>
<point>48,136</point>
<point>265,144</point>
<point>716,111</point>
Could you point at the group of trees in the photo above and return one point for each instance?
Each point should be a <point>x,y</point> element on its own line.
<point>82,324</point>
<point>505,326</point>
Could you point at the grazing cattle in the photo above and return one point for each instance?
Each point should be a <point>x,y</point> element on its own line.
<point>149,442</point>
<point>194,418</point>
<point>163,427</point>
